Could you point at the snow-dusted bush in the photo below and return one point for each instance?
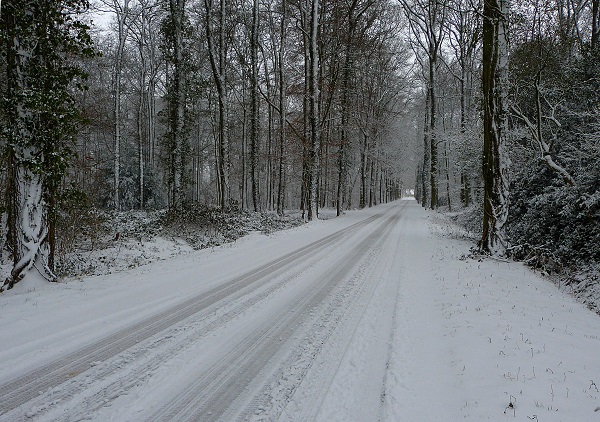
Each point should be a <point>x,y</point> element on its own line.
<point>93,241</point>
<point>76,224</point>
<point>555,228</point>
<point>555,191</point>
<point>470,218</point>
<point>204,226</point>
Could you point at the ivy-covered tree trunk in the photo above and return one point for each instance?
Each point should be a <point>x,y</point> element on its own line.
<point>495,162</point>
<point>26,209</point>
<point>40,38</point>
<point>177,93</point>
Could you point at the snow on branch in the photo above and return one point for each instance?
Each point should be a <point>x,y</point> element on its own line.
<point>545,154</point>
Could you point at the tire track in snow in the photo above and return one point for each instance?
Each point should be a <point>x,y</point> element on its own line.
<point>23,389</point>
<point>296,391</point>
<point>139,363</point>
<point>214,391</point>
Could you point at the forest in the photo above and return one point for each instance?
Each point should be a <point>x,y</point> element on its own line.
<point>488,110</point>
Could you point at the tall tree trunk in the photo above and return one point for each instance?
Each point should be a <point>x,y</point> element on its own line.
<point>305,187</point>
<point>495,163</point>
<point>315,141</point>
<point>447,162</point>
<point>244,181</point>
<point>325,166</point>
<point>418,183</point>
<point>363,172</point>
<point>269,167</point>
<point>122,13</point>
<point>433,159</point>
<point>464,178</point>
<point>465,193</point>
<point>177,99</point>
<point>426,156</point>
<point>354,14</point>
<point>141,158</point>
<point>217,57</point>
<point>426,20</point>
<point>25,234</point>
<point>153,66</point>
<point>375,176</point>
<point>345,116</point>
<point>595,23</point>
<point>254,108</point>
<point>282,110</point>
<point>142,122</point>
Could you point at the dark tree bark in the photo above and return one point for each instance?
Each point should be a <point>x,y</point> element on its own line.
<point>254,108</point>
<point>37,37</point>
<point>313,91</point>
<point>282,110</point>
<point>426,154</point>
<point>495,179</point>
<point>595,23</point>
<point>217,56</point>
<point>433,159</point>
<point>177,94</point>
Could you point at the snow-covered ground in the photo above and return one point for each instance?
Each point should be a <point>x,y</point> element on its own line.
<point>372,316</point>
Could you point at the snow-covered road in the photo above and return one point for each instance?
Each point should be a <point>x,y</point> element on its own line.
<point>367,317</point>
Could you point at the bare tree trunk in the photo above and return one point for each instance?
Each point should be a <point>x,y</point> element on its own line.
<point>269,170</point>
<point>465,193</point>
<point>464,30</point>
<point>418,183</point>
<point>595,23</point>
<point>122,13</point>
<point>144,118</point>
<point>282,111</point>
<point>217,59</point>
<point>373,183</point>
<point>433,160</point>
<point>376,175</point>
<point>325,166</point>
<point>305,187</point>
<point>426,20</point>
<point>354,14</point>
<point>495,163</point>
<point>153,67</point>
<point>254,108</point>
<point>345,118</point>
<point>447,161</point>
<point>244,181</point>
<point>315,141</point>
<point>464,178</point>
<point>425,169</point>
<point>363,171</point>
<point>141,141</point>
